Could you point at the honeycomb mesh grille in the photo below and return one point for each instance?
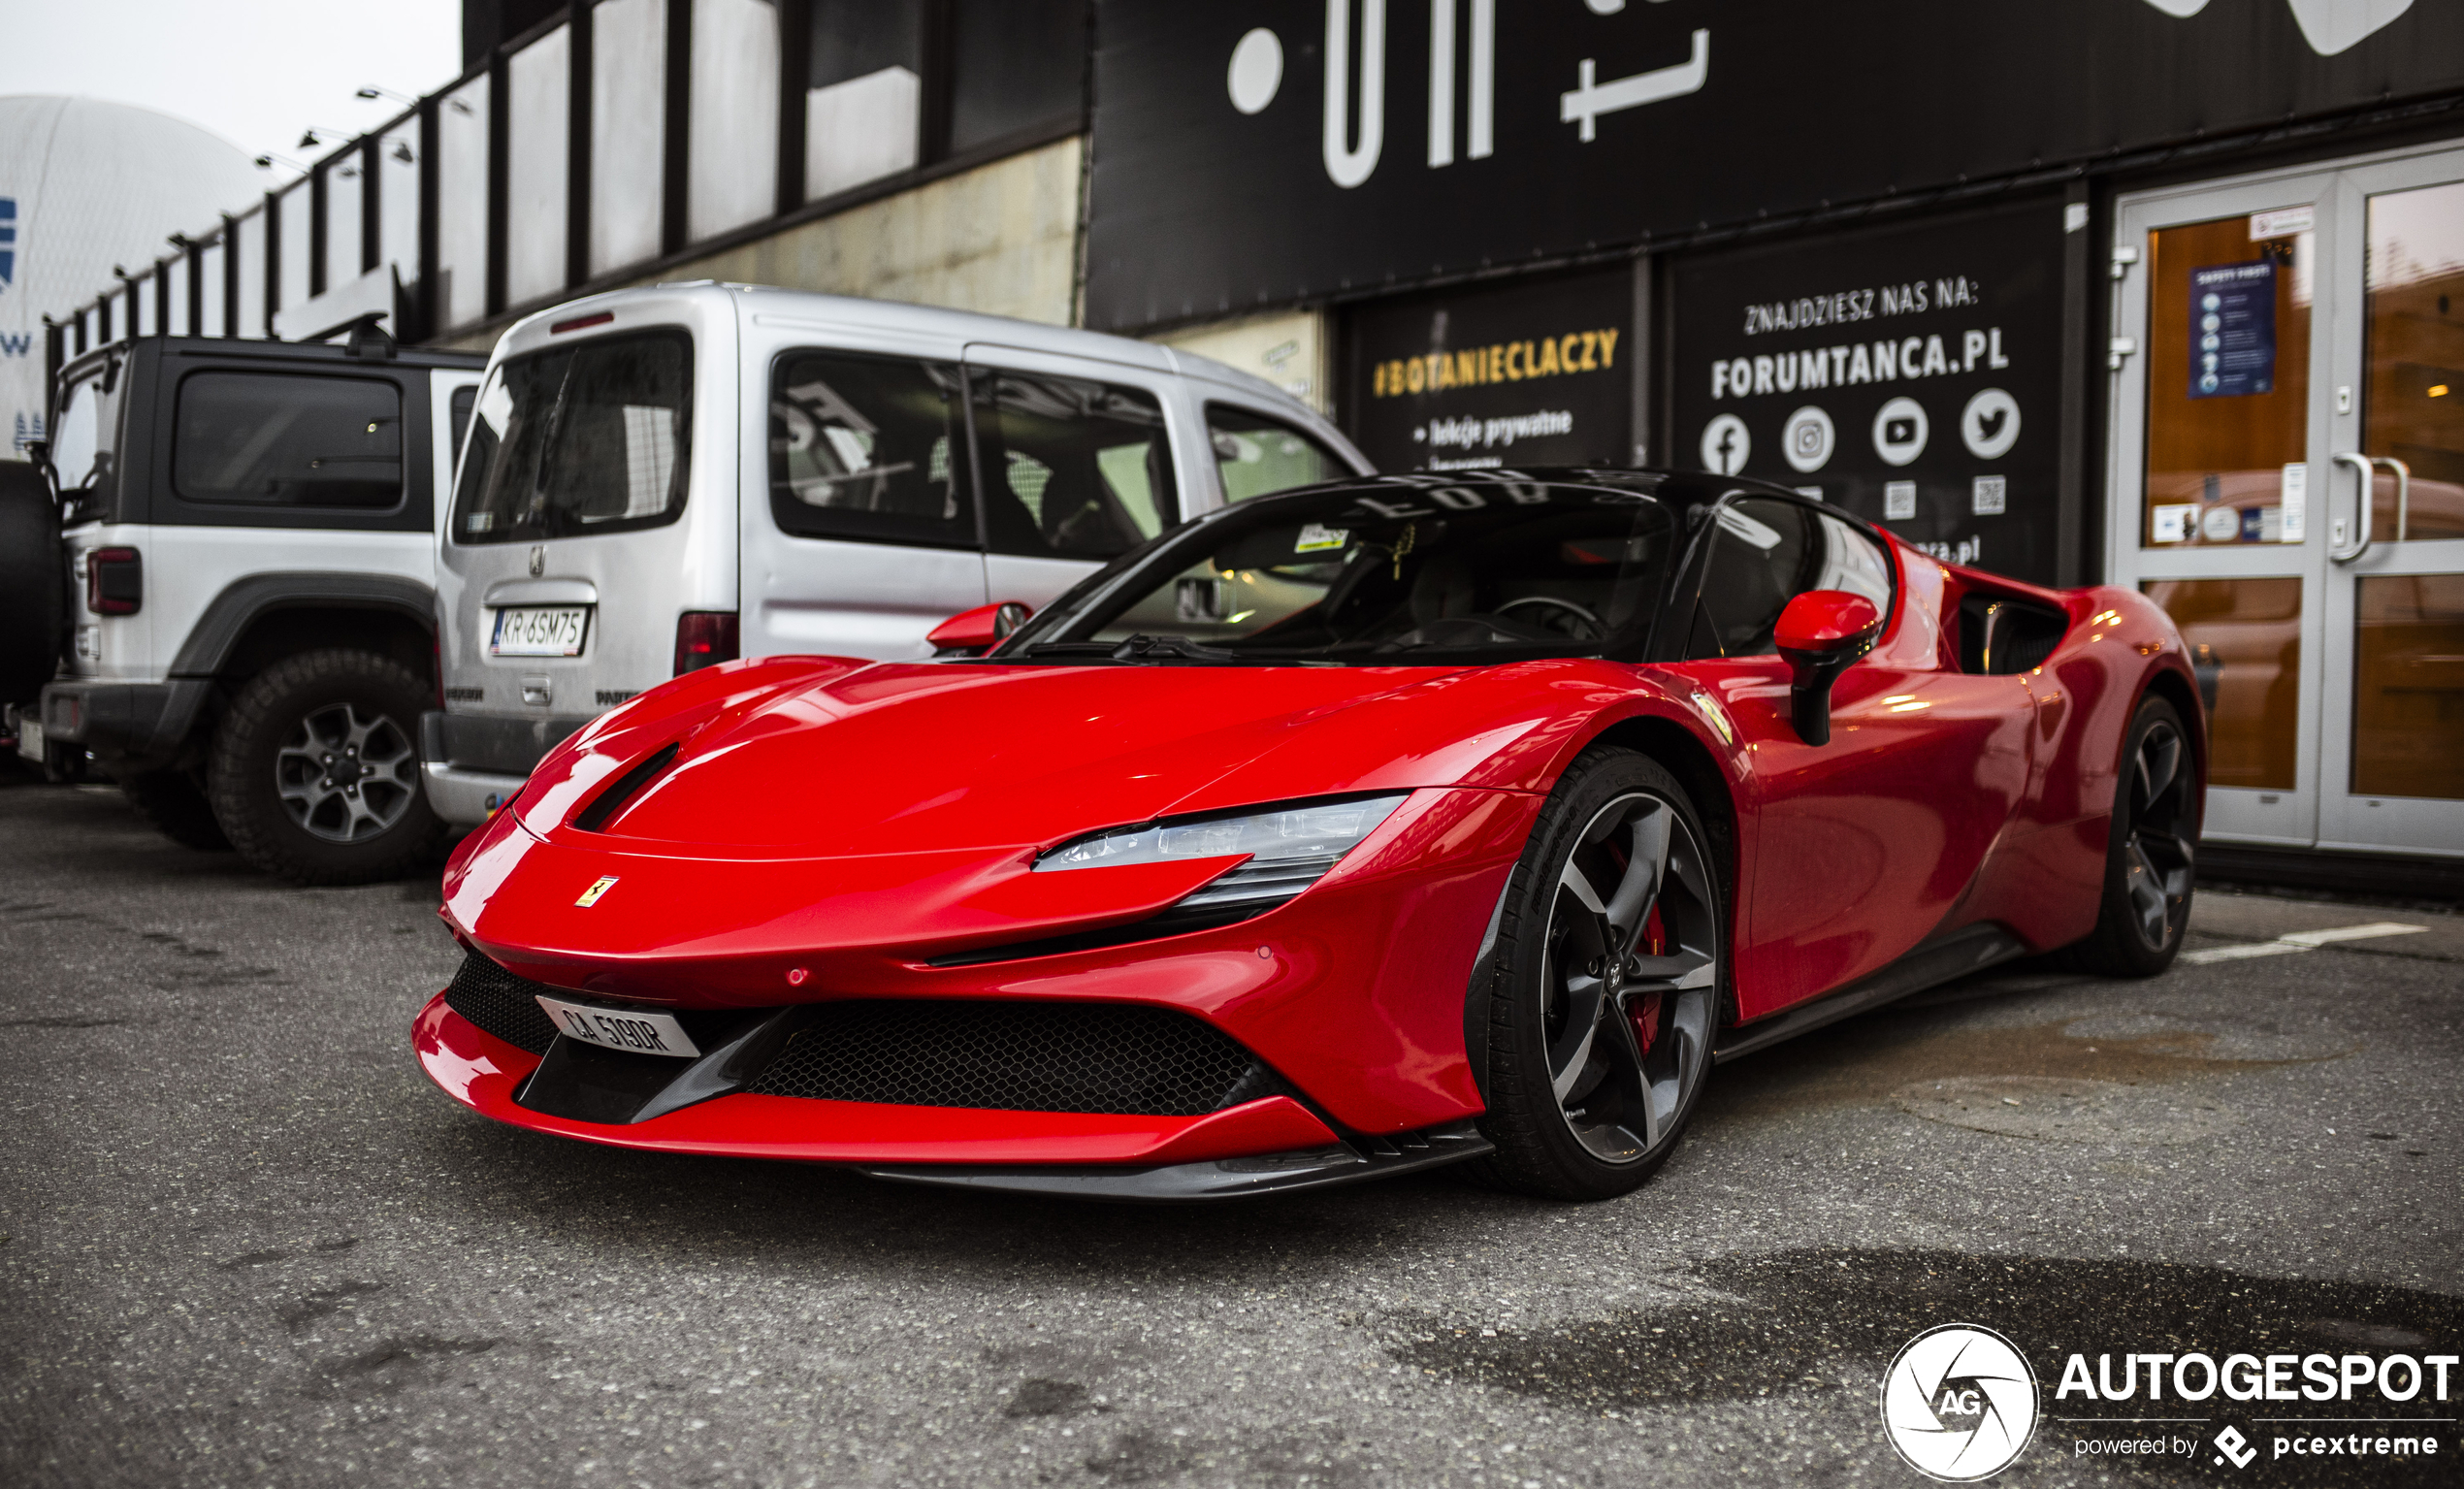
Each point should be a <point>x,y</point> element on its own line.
<point>500,1004</point>
<point>1112,1058</point>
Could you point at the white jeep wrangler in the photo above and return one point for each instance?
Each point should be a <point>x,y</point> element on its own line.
<point>246,530</point>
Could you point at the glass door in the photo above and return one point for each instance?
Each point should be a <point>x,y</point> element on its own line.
<point>2391,741</point>
<point>2287,481</point>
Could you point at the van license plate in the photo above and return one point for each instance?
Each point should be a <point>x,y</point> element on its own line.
<point>635,1031</point>
<point>539,632</point>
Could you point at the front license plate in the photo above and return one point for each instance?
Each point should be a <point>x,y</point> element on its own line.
<point>633,1031</point>
<point>30,740</point>
<point>555,630</point>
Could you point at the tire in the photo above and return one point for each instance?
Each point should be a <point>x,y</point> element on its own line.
<point>268,778</point>
<point>2150,860</point>
<point>1582,1104</point>
<point>33,584</point>
<point>177,806</point>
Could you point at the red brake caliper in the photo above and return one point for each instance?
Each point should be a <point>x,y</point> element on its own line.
<point>1644,1011</point>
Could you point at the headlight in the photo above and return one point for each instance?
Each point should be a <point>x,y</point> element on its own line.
<point>1290,848</point>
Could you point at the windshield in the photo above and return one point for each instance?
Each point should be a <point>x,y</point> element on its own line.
<point>1484,570</point>
<point>83,438</point>
<point>587,438</point>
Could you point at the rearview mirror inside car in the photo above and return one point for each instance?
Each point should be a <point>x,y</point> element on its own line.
<point>1820,634</point>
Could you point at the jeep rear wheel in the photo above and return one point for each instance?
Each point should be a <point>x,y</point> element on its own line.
<point>315,772</point>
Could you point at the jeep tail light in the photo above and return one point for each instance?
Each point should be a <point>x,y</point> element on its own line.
<point>704,638</point>
<point>115,581</point>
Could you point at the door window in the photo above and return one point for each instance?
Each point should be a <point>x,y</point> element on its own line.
<point>1765,553</point>
<point>860,448</point>
<point>581,440</point>
<point>2408,687</point>
<point>1072,468</point>
<point>2229,381</point>
<point>268,439</point>
<point>1259,456</point>
<point>2414,386</point>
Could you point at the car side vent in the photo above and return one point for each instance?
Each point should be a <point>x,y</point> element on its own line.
<point>1999,635</point>
<point>593,817</point>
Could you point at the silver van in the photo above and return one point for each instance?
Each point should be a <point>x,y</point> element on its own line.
<point>659,479</point>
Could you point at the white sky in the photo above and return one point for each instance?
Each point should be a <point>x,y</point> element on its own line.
<point>255,72</point>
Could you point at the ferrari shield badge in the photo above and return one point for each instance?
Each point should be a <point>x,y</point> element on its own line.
<point>589,896</point>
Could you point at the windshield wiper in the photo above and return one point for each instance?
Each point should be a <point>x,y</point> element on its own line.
<point>1068,649</point>
<point>1143,647</point>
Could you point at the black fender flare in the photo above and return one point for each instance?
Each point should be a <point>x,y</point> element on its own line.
<point>243,601</point>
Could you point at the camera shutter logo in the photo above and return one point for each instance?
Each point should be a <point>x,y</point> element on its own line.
<point>1959,1403</point>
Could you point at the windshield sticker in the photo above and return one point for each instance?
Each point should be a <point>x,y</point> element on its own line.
<point>1317,538</point>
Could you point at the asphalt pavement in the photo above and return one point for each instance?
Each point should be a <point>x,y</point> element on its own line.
<point>243,1242</point>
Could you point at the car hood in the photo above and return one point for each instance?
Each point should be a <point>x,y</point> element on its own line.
<point>915,757</point>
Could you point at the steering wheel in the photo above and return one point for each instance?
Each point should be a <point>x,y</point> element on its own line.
<point>1586,625</point>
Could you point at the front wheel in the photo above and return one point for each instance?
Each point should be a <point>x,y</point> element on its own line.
<point>315,773</point>
<point>1606,984</point>
<point>2152,855</point>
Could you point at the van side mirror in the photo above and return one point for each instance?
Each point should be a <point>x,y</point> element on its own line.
<point>973,633</point>
<point>1820,634</point>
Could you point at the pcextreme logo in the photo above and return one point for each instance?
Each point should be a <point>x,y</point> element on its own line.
<point>1959,1403</point>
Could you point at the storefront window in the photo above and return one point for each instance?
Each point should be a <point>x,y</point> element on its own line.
<point>863,106</point>
<point>2245,641</point>
<point>1014,64</point>
<point>2413,399</point>
<point>629,66</point>
<point>461,204</point>
<point>539,88</point>
<point>341,221</point>
<point>2229,381</point>
<point>734,135</point>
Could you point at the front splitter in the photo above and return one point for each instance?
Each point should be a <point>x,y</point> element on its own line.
<point>1220,1179</point>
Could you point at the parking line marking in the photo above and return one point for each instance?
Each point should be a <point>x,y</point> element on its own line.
<point>2301,941</point>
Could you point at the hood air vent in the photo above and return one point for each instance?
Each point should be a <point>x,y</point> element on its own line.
<point>593,817</point>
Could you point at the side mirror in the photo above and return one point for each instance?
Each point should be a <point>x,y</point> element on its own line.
<point>973,633</point>
<point>1820,634</point>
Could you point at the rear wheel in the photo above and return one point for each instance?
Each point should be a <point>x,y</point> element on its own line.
<point>1606,984</point>
<point>175,805</point>
<point>2151,860</point>
<point>315,773</point>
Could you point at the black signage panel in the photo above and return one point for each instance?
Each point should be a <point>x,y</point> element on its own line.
<point>1911,376</point>
<point>1253,152</point>
<point>1529,374</point>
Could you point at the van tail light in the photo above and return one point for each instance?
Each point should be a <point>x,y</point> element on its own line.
<point>704,638</point>
<point>115,581</point>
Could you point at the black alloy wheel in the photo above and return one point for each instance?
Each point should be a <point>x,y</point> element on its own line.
<point>1606,984</point>
<point>315,771</point>
<point>2150,866</point>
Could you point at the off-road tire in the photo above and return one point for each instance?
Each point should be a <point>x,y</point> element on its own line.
<point>2162,832</point>
<point>1537,1150</point>
<point>268,714</point>
<point>33,584</point>
<point>177,806</point>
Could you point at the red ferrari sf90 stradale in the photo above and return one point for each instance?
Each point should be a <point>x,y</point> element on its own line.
<point>1406,821</point>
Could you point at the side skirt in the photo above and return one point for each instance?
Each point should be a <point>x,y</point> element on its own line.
<point>1963,951</point>
<point>1220,1179</point>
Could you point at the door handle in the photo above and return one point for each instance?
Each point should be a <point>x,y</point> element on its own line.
<point>2365,467</point>
<point>2337,550</point>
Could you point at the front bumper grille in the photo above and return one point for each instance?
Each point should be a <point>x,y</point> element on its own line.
<point>498,1003</point>
<point>1112,1058</point>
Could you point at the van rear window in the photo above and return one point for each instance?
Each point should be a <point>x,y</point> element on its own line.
<point>580,440</point>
